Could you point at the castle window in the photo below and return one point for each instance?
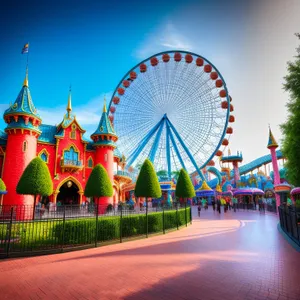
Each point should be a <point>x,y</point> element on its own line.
<point>44,155</point>
<point>73,134</point>
<point>71,155</point>
<point>90,162</point>
<point>25,146</point>
<point>105,157</point>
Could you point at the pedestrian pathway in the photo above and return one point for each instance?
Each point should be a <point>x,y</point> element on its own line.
<point>229,256</point>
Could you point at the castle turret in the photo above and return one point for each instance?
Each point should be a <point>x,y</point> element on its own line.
<point>104,141</point>
<point>272,145</point>
<point>22,131</point>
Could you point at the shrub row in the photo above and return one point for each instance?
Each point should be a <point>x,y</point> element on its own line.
<point>53,234</point>
<point>82,231</point>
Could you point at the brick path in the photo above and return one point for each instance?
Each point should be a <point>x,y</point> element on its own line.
<point>233,256</point>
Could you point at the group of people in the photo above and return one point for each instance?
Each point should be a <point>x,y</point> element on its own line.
<point>227,202</point>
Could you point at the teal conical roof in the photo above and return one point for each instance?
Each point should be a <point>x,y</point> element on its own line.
<point>23,104</point>
<point>104,128</point>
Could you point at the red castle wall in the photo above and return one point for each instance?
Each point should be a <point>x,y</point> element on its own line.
<point>16,160</point>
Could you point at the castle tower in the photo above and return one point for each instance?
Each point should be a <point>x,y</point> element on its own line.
<point>272,145</point>
<point>104,141</point>
<point>23,131</point>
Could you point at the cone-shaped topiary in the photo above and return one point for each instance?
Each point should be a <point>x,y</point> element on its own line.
<point>36,179</point>
<point>184,186</point>
<point>147,184</point>
<point>2,186</point>
<point>98,184</point>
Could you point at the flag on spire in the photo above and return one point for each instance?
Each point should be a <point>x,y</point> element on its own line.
<point>25,48</point>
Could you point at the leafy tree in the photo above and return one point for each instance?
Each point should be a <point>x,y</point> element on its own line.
<point>2,190</point>
<point>147,184</point>
<point>162,173</point>
<point>2,186</point>
<point>98,184</point>
<point>184,186</point>
<point>35,180</point>
<point>291,129</point>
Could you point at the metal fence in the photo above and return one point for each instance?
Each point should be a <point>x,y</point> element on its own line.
<point>70,227</point>
<point>290,222</point>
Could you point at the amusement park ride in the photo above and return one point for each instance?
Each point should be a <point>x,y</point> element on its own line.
<point>174,108</point>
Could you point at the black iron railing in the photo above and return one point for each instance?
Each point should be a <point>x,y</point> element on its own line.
<point>290,222</point>
<point>57,228</point>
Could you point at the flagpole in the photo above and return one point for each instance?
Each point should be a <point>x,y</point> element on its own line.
<point>27,57</point>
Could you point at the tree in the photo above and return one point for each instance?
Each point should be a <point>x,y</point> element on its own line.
<point>147,184</point>
<point>184,186</point>
<point>2,190</point>
<point>35,180</point>
<point>291,129</point>
<point>98,184</point>
<point>162,173</point>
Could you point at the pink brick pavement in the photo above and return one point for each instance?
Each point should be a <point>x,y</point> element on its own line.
<point>233,256</point>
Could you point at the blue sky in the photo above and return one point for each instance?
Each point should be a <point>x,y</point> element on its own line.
<point>91,45</point>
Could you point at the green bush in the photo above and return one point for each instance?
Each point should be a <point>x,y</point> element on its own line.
<point>184,186</point>
<point>29,236</point>
<point>147,184</point>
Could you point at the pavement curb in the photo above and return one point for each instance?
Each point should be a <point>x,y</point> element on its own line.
<point>288,239</point>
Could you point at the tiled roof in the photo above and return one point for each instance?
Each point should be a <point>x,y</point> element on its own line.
<point>48,133</point>
<point>23,104</point>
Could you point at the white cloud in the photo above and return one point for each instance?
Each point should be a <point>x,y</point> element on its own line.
<point>165,38</point>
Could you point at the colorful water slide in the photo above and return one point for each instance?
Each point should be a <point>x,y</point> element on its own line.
<point>263,160</point>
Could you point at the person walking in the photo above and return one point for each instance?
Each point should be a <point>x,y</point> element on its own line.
<point>219,205</point>
<point>213,203</point>
<point>234,201</point>
<point>199,210</point>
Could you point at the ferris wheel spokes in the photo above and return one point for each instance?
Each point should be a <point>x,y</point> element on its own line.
<point>185,149</point>
<point>158,128</point>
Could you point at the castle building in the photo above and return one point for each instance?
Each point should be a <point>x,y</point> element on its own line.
<point>69,155</point>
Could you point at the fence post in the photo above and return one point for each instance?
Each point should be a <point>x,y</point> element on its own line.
<point>163,215</point>
<point>64,228</point>
<point>9,231</point>
<point>177,215</point>
<point>191,213</point>
<point>185,214</point>
<point>96,227</point>
<point>121,224</point>
<point>146,217</point>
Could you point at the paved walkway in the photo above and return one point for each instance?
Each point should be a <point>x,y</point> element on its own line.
<point>233,256</point>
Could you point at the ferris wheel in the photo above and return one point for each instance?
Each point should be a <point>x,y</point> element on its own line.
<point>174,109</point>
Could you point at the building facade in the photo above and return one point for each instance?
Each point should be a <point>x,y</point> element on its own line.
<point>69,155</point>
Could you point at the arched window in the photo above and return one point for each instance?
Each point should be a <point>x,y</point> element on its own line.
<point>71,155</point>
<point>44,155</point>
<point>90,162</point>
<point>25,144</point>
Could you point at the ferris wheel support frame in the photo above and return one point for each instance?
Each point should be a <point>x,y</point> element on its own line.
<point>185,149</point>
<point>176,148</point>
<point>143,143</point>
<point>168,152</point>
<point>156,142</point>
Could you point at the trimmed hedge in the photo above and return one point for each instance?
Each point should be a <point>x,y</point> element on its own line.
<point>82,231</point>
<point>55,234</point>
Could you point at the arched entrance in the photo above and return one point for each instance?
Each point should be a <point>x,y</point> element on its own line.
<point>68,193</point>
